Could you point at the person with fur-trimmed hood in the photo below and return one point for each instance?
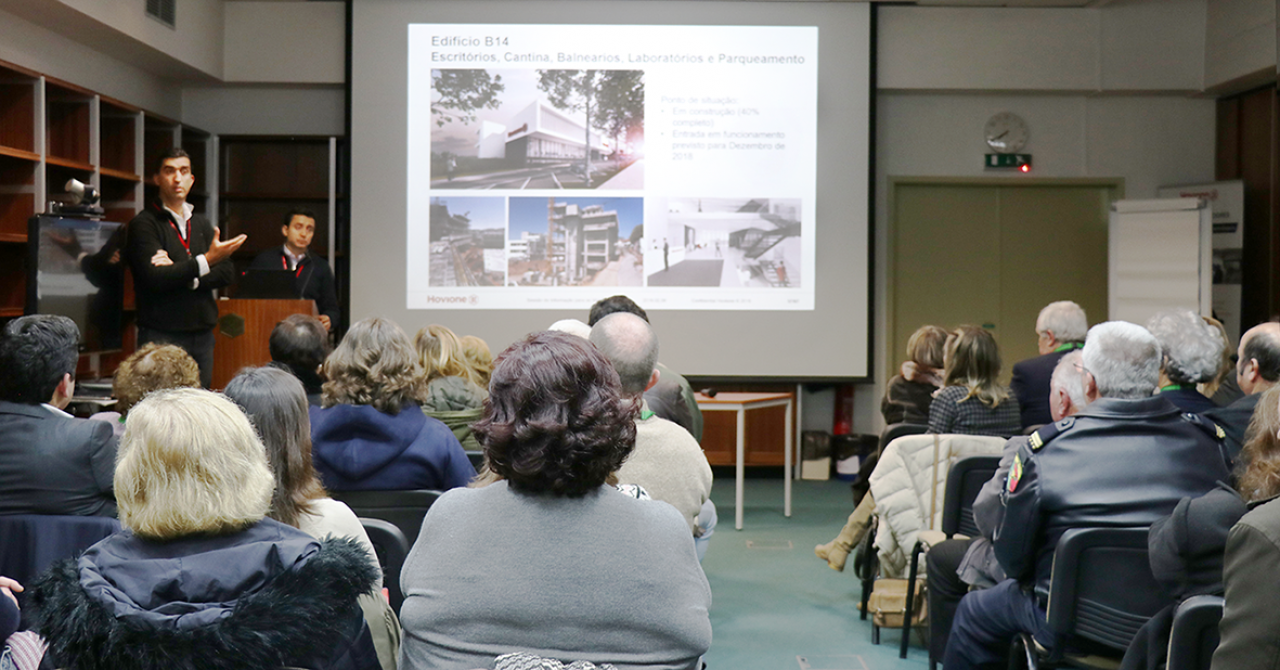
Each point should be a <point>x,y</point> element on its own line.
<point>199,577</point>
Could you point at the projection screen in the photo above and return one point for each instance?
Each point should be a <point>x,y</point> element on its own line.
<point>514,162</point>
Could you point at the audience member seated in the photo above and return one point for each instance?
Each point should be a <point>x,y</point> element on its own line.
<point>910,392</point>
<point>1250,618</point>
<point>50,463</point>
<point>371,433</point>
<point>667,462</point>
<point>1060,327</point>
<point>1257,369</point>
<point>153,367</point>
<point>200,578</point>
<point>300,344</point>
<point>479,359</point>
<point>453,395</point>
<point>1126,459</point>
<point>1192,352</point>
<point>972,402</point>
<point>621,303</point>
<point>1223,388</point>
<point>549,560</point>
<point>276,405</point>
<point>18,650</point>
<point>956,565</point>
<point>1186,554</point>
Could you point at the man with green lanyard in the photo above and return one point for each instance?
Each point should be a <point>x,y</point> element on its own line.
<point>1060,328</point>
<point>667,462</point>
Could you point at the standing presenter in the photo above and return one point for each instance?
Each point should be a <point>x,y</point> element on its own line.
<point>313,278</point>
<point>177,261</point>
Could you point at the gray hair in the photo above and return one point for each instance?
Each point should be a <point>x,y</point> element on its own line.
<point>1066,319</point>
<point>631,345</point>
<point>1070,378</point>
<point>1124,359</point>
<point>1192,348</point>
<point>573,327</point>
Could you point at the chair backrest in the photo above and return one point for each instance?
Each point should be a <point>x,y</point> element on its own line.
<point>1194,636</point>
<point>30,543</point>
<point>392,548</point>
<point>1102,589</point>
<point>405,509</point>
<point>894,431</point>
<point>963,484</point>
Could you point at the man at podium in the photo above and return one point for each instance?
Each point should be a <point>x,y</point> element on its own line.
<point>313,278</point>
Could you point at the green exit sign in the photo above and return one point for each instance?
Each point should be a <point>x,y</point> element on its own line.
<point>1011,161</point>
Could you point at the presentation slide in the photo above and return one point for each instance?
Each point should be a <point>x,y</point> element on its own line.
<point>675,162</point>
<point>514,161</point>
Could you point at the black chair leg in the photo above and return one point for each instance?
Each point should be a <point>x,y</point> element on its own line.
<point>911,597</point>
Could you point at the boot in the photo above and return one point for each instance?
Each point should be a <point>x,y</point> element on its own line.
<point>836,552</point>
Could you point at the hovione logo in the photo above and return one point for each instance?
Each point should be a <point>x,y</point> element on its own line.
<point>449,299</point>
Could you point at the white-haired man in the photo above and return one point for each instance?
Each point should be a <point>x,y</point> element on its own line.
<point>667,461</point>
<point>1060,328</point>
<point>1125,460</point>
<point>955,565</point>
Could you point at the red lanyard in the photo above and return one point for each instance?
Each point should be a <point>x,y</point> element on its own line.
<point>284,262</point>
<point>186,241</point>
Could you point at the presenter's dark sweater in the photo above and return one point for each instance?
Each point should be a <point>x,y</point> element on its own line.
<point>313,278</point>
<point>166,299</point>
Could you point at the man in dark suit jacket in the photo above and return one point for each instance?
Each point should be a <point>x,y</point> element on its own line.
<point>313,278</point>
<point>177,262</point>
<point>1060,328</point>
<point>50,463</point>
<point>1257,370</point>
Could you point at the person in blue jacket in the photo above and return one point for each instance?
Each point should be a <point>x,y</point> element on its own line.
<point>370,432</point>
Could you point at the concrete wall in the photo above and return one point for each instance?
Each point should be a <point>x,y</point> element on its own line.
<point>248,110</point>
<point>31,46</point>
<point>197,40</point>
<point>1240,43</point>
<point>285,42</point>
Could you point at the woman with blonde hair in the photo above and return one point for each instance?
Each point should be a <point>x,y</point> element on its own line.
<point>972,401</point>
<point>452,394</point>
<point>371,433</point>
<point>200,577</point>
<point>479,358</point>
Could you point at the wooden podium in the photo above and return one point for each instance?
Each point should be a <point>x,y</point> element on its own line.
<point>244,327</point>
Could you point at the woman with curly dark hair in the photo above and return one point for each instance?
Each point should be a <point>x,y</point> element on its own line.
<point>371,433</point>
<point>549,559</point>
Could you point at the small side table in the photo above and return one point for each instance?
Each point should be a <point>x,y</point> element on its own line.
<point>743,403</point>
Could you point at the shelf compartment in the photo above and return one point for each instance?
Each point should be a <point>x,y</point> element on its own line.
<point>13,279</point>
<point>15,210</point>
<point>17,111</point>
<point>116,148</point>
<point>67,113</point>
<point>120,174</point>
<point>282,168</point>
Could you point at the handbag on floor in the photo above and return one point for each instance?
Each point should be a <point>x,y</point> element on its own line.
<point>888,603</point>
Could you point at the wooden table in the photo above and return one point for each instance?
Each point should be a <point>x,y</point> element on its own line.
<point>743,403</point>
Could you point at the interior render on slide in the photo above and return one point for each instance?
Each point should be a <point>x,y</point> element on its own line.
<point>726,242</point>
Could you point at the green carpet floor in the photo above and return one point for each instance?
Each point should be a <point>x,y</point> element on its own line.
<point>775,606</point>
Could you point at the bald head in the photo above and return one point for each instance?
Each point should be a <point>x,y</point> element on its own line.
<point>1259,366</point>
<point>630,344</point>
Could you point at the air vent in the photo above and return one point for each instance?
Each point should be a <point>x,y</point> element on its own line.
<point>163,11</point>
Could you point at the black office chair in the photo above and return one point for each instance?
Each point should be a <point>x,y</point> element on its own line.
<point>1194,636</point>
<point>405,509</point>
<point>964,480</point>
<point>33,542</point>
<point>1102,591</point>
<point>866,564</point>
<point>894,431</point>
<point>392,548</point>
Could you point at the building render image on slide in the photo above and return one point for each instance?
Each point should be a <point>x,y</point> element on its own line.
<point>726,242</point>
<point>532,129</point>
<point>575,242</point>
<point>467,237</point>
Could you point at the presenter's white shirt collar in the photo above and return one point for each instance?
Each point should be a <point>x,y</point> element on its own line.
<point>187,210</point>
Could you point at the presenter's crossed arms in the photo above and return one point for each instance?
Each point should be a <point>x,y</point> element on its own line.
<point>218,250</point>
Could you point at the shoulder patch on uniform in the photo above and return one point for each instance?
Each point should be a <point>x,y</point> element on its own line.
<point>1213,429</point>
<point>1015,474</point>
<point>1046,433</point>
